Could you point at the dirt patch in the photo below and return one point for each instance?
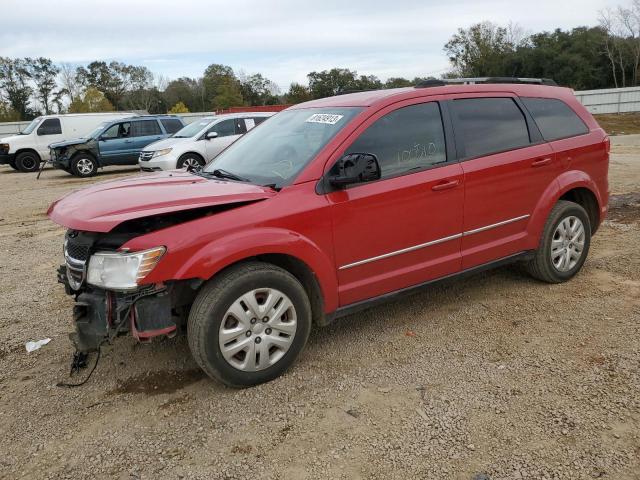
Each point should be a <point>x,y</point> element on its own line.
<point>496,373</point>
<point>619,123</point>
<point>158,383</point>
<point>624,208</point>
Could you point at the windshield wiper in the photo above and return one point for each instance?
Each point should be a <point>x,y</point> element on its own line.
<point>220,173</point>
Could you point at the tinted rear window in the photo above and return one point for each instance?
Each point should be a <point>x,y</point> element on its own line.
<point>490,125</point>
<point>171,125</point>
<point>554,118</point>
<point>144,128</point>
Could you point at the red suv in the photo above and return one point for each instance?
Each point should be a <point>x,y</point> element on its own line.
<point>329,207</point>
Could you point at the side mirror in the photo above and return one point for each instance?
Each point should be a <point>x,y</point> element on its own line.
<point>211,135</point>
<point>355,168</point>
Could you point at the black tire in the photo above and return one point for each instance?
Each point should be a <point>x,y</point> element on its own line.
<point>190,156</point>
<point>217,296</point>
<point>541,266</point>
<point>83,165</point>
<point>27,162</point>
<point>12,163</point>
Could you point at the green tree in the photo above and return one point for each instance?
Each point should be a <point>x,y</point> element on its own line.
<point>188,91</point>
<point>297,94</point>
<point>257,90</point>
<point>93,100</point>
<point>397,82</point>
<point>178,108</point>
<point>44,74</point>
<point>573,58</point>
<point>221,87</point>
<point>15,77</point>
<point>331,82</point>
<point>480,50</point>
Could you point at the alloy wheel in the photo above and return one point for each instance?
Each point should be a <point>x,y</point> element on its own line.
<point>84,166</point>
<point>257,330</point>
<point>191,164</point>
<point>567,244</point>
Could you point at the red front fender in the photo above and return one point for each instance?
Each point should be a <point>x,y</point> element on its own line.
<point>218,254</point>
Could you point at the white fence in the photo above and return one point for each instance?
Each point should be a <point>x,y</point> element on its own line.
<point>611,100</point>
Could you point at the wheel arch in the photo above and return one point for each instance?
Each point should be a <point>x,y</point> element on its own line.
<point>301,271</point>
<point>574,186</point>
<point>585,197</point>
<point>287,249</point>
<point>28,150</point>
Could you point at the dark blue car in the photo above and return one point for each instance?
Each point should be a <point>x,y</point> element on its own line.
<point>117,142</point>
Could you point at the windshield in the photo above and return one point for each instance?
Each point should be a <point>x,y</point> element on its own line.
<point>193,129</point>
<point>32,126</point>
<point>98,130</point>
<point>275,152</point>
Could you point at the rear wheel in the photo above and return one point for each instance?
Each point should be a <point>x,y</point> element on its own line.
<point>83,165</point>
<point>249,324</point>
<point>564,245</point>
<point>28,162</point>
<point>191,161</point>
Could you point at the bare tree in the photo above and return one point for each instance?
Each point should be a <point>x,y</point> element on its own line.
<point>608,20</point>
<point>71,85</point>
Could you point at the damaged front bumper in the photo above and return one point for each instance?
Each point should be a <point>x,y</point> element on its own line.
<point>101,315</point>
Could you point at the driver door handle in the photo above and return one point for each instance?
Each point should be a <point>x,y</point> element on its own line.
<point>541,162</point>
<point>445,185</point>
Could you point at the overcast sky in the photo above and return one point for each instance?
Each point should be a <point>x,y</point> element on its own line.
<point>283,40</point>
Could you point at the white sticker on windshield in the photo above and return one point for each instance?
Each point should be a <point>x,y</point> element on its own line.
<point>327,118</point>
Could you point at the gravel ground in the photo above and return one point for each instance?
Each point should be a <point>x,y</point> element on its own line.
<point>494,377</point>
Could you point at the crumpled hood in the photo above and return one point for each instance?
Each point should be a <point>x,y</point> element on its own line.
<point>67,143</point>
<point>103,206</point>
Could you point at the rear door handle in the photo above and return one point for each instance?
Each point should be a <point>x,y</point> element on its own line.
<point>541,162</point>
<point>445,185</point>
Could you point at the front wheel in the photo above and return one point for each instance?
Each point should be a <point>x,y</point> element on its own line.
<point>83,165</point>
<point>249,324</point>
<point>564,245</point>
<point>27,162</point>
<point>191,161</point>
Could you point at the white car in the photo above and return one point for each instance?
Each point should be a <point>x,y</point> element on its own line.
<point>199,142</point>
<point>25,150</point>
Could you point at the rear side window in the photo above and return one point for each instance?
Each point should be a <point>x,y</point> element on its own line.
<point>51,126</point>
<point>490,125</point>
<point>171,125</point>
<point>410,138</point>
<point>554,118</point>
<point>144,128</point>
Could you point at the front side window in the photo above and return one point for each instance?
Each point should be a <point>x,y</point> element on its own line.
<point>193,129</point>
<point>51,126</point>
<point>118,130</point>
<point>554,118</point>
<point>224,128</point>
<point>410,138</point>
<point>490,125</point>
<point>145,128</point>
<point>276,152</point>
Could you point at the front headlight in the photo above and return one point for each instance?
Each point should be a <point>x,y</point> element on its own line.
<point>122,270</point>
<point>159,153</point>
<point>4,146</point>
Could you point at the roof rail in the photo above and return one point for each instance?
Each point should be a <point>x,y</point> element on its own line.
<point>472,81</point>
